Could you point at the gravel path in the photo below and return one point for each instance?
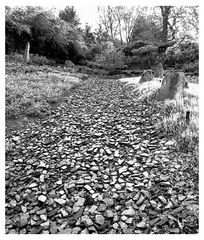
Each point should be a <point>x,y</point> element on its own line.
<point>97,165</point>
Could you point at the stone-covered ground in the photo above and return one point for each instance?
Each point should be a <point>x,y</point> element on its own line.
<point>97,165</point>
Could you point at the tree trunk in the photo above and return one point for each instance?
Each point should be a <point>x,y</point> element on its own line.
<point>165,10</point>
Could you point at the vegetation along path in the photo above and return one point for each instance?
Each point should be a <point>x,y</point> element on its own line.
<point>99,165</point>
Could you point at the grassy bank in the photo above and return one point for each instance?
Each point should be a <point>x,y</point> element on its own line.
<point>172,115</point>
<point>32,89</point>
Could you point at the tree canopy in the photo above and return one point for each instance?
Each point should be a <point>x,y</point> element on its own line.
<point>139,36</point>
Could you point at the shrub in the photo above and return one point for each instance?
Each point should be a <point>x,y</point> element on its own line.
<point>48,35</point>
<point>41,60</point>
<point>110,57</point>
<point>183,56</point>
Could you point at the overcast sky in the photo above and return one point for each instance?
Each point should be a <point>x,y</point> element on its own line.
<point>87,14</point>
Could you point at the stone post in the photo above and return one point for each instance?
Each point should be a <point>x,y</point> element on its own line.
<point>26,53</point>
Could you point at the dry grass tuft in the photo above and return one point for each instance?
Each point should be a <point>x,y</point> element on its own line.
<point>32,89</point>
<point>172,121</point>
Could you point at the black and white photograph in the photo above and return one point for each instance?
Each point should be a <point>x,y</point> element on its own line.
<point>101,118</point>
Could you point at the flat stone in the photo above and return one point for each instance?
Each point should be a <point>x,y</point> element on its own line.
<point>117,186</point>
<point>13,203</point>
<point>115,226</point>
<point>62,226</point>
<point>43,217</point>
<point>23,220</point>
<point>45,224</point>
<point>80,202</point>
<point>17,197</point>
<point>123,226</point>
<point>129,212</point>
<point>85,231</point>
<point>33,185</point>
<point>23,231</point>
<point>94,168</point>
<point>36,230</point>
<point>162,199</point>
<point>169,205</point>
<point>154,221</point>
<point>122,169</point>
<point>102,207</point>
<point>42,165</point>
<point>75,209</point>
<point>95,195</point>
<point>60,201</point>
<point>93,208</point>
<point>140,201</point>
<point>92,230</point>
<point>87,220</point>
<point>88,188</point>
<point>109,202</point>
<point>129,220</point>
<point>80,181</point>
<point>163,221</point>
<point>64,213</point>
<point>128,231</point>
<point>42,198</point>
<point>109,213</point>
<point>116,153</point>
<point>146,174</point>
<point>131,162</point>
<point>72,185</point>
<point>175,230</point>
<point>53,228</point>
<point>99,219</point>
<point>141,224</point>
<point>76,230</point>
<point>124,218</point>
<point>42,178</point>
<point>177,210</point>
<point>66,231</point>
<point>129,185</point>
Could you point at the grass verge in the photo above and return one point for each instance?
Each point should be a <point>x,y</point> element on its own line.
<point>172,115</point>
<point>32,89</point>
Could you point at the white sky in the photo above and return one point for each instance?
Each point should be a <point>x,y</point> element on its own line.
<point>87,14</point>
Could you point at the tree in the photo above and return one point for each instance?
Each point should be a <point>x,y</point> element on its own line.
<point>108,21</point>
<point>146,29</point>
<point>88,35</point>
<point>69,15</point>
<point>119,21</point>
<point>165,11</point>
<point>178,23</point>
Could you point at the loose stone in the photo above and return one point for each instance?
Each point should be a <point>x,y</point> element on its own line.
<point>99,219</point>
<point>42,198</point>
<point>129,212</point>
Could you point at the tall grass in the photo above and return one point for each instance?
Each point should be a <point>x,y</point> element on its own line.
<point>32,89</point>
<point>172,114</point>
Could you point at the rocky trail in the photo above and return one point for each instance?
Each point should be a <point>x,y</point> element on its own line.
<point>97,165</point>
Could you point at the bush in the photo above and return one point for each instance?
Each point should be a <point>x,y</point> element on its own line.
<point>48,35</point>
<point>41,60</point>
<point>183,56</point>
<point>93,52</point>
<point>141,54</point>
<point>111,59</point>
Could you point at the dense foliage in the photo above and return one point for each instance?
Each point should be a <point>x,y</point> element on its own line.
<point>61,37</point>
<point>49,36</point>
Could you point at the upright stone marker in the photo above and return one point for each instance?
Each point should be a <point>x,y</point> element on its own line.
<point>69,63</point>
<point>26,53</point>
<point>146,76</point>
<point>172,86</point>
<point>158,71</point>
